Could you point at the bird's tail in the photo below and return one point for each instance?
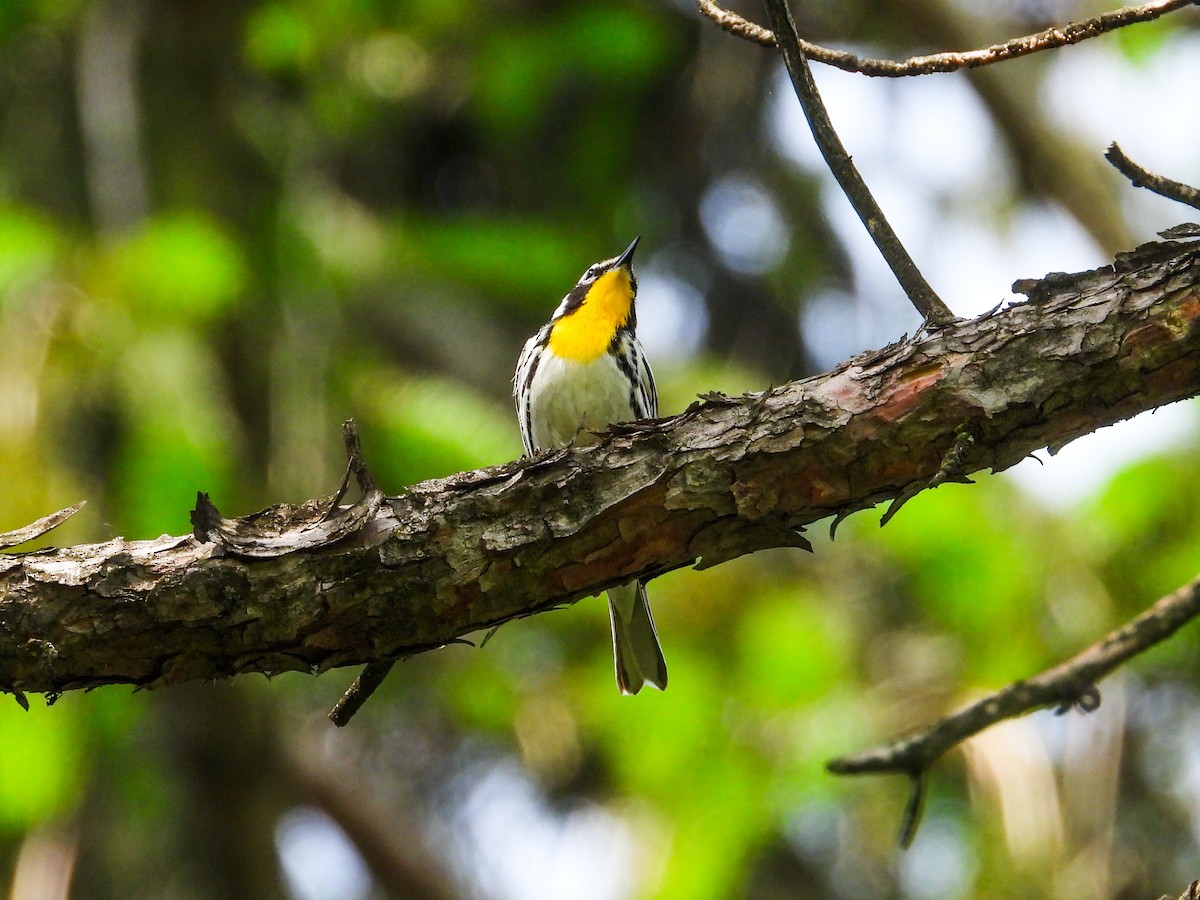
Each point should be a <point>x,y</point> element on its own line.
<point>638,656</point>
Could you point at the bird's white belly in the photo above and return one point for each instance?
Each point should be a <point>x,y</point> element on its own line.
<point>568,395</point>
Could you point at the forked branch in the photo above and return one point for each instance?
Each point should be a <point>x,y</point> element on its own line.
<point>920,294</point>
<point>1071,684</point>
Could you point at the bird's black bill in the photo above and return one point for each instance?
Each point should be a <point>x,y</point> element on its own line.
<point>626,258</point>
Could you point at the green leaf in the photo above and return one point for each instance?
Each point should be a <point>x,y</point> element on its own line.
<point>793,648</point>
<point>181,268</point>
<point>1140,43</point>
<point>508,260</point>
<point>43,762</point>
<point>279,39</point>
<point>179,438</point>
<point>433,427</point>
<point>29,248</point>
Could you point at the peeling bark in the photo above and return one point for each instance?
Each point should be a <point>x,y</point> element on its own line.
<point>725,478</point>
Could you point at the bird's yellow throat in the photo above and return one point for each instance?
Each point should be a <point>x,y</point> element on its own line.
<point>586,333</point>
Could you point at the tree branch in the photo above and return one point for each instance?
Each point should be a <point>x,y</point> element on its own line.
<point>1172,190</point>
<point>1050,39</point>
<point>922,296</point>
<point>726,477</point>
<point>1067,685</point>
<point>1191,892</point>
<point>360,691</point>
<point>41,526</point>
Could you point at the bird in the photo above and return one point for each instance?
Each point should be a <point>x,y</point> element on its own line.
<point>583,371</point>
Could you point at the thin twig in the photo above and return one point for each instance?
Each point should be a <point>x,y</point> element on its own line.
<point>373,674</point>
<point>914,809</point>
<point>1072,683</point>
<point>40,527</point>
<point>922,296</point>
<point>356,465</point>
<point>1172,190</point>
<point>360,691</point>
<point>951,469</point>
<point>952,61</point>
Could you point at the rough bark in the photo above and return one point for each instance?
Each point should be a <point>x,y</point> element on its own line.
<point>290,590</point>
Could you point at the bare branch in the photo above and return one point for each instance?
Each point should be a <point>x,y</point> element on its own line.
<point>726,477</point>
<point>1069,684</point>
<point>360,691</point>
<point>921,295</point>
<point>952,61</point>
<point>747,30</point>
<point>1172,190</point>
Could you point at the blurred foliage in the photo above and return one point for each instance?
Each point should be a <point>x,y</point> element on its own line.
<point>331,209</point>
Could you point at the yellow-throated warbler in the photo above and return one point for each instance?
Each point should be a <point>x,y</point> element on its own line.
<point>583,371</point>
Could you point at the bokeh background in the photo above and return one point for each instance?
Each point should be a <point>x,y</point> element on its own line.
<point>227,226</point>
